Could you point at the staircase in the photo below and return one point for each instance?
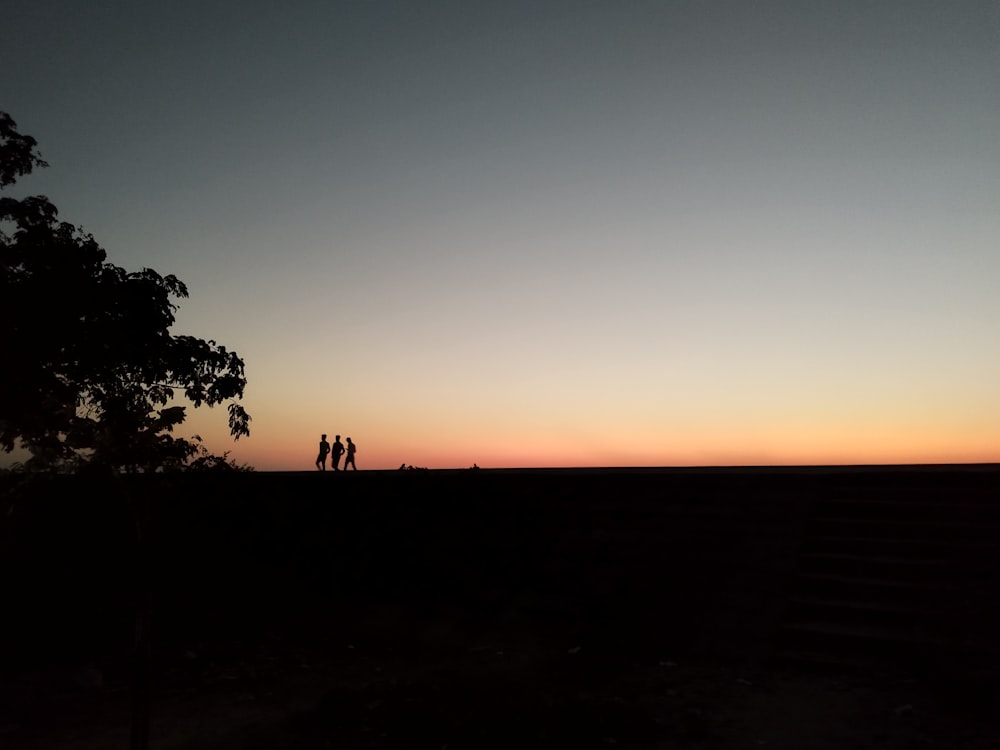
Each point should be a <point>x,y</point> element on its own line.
<point>907,585</point>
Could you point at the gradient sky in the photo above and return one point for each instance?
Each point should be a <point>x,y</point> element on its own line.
<point>549,233</point>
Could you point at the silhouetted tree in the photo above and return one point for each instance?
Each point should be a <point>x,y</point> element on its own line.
<point>90,369</point>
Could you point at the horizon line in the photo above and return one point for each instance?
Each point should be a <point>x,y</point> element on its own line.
<point>734,468</point>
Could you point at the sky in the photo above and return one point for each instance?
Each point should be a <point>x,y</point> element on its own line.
<point>518,234</point>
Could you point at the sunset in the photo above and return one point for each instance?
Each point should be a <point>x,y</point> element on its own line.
<point>558,234</point>
<point>382,374</point>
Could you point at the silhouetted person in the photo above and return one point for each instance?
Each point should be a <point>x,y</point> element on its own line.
<point>351,450</point>
<point>338,451</point>
<point>324,451</point>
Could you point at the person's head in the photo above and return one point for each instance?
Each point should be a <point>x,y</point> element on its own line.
<point>337,437</point>
<point>348,440</point>
<point>323,436</point>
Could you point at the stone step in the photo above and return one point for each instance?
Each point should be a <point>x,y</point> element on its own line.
<point>859,633</point>
<point>938,512</point>
<point>878,567</point>
<point>859,642</point>
<point>888,547</point>
<point>890,592</point>
<point>904,616</point>
<point>917,530</point>
<point>820,662</point>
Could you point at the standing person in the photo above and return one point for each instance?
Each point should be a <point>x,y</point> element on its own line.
<point>338,451</point>
<point>351,450</point>
<point>324,451</point>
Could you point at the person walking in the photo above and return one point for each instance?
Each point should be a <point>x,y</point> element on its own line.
<point>324,451</point>
<point>351,450</point>
<point>338,451</point>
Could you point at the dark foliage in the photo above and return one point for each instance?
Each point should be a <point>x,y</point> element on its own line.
<point>92,371</point>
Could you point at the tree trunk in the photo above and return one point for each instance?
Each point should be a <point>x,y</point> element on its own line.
<point>143,621</point>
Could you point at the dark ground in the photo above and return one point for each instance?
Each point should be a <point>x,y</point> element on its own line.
<point>472,609</point>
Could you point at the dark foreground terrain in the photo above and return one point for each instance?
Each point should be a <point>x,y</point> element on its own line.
<point>819,608</point>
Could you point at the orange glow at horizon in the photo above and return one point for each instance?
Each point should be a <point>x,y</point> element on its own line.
<point>377,450</point>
